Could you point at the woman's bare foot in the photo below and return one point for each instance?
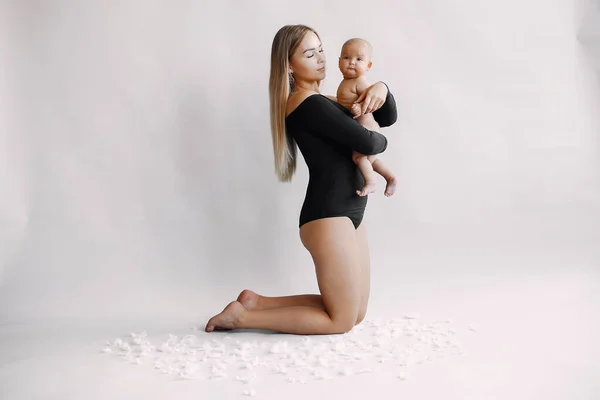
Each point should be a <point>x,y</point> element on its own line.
<point>229,318</point>
<point>369,188</point>
<point>391,186</point>
<point>250,300</point>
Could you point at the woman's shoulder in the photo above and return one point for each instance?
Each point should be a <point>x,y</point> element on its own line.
<point>297,100</point>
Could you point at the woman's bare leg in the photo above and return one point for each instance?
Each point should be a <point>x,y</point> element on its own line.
<point>254,301</point>
<point>332,244</point>
<point>365,271</point>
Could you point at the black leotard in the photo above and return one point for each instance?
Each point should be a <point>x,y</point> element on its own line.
<point>326,135</point>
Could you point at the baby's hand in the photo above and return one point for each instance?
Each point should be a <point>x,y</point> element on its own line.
<point>356,110</point>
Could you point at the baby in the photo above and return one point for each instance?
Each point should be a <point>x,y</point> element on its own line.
<point>355,61</point>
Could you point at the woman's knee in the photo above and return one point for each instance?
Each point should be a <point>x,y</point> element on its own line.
<point>344,314</point>
<point>342,325</point>
<point>361,315</point>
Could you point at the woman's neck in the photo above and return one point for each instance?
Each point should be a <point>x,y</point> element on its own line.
<point>307,86</point>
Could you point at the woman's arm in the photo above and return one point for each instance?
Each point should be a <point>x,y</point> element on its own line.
<point>322,117</point>
<point>379,100</point>
<point>388,113</point>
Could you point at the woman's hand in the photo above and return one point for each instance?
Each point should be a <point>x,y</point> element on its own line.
<point>372,98</point>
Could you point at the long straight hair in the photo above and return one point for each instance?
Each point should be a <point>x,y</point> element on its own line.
<point>281,84</point>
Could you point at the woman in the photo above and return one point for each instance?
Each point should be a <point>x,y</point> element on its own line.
<point>330,220</point>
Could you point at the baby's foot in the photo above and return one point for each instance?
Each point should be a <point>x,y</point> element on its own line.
<point>369,187</point>
<point>249,299</point>
<point>229,318</point>
<point>391,186</point>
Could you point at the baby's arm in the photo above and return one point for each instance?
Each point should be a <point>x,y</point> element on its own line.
<point>362,84</point>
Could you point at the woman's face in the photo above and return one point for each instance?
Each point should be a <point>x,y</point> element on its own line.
<point>308,61</point>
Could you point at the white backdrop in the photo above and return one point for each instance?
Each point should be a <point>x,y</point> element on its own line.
<point>137,172</point>
<point>137,180</point>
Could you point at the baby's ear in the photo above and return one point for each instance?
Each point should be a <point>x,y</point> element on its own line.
<point>370,64</point>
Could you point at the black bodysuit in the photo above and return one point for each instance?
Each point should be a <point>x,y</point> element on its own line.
<point>326,134</point>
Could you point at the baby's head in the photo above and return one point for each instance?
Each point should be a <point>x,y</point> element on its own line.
<point>355,59</point>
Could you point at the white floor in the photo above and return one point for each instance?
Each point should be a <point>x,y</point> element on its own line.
<point>528,336</point>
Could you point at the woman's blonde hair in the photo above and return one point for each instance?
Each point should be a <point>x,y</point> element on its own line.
<point>281,84</point>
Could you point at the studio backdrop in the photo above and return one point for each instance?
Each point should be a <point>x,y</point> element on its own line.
<point>136,164</point>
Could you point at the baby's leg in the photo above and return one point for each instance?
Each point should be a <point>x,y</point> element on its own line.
<point>382,169</point>
<point>363,162</point>
<point>366,169</point>
<point>368,121</point>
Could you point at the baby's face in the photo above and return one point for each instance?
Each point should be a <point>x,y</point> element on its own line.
<point>355,60</point>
